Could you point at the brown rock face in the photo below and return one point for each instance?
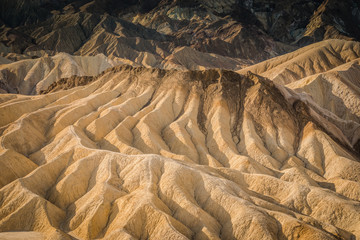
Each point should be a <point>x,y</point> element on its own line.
<point>252,30</point>
<point>92,28</point>
<point>67,83</point>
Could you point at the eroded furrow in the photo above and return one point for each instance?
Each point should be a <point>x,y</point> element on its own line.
<point>152,154</point>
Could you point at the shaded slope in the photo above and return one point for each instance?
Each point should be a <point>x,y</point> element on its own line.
<point>302,22</point>
<point>251,30</point>
<point>326,73</point>
<point>333,20</point>
<point>83,31</point>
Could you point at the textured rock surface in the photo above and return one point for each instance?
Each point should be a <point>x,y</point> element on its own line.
<point>81,30</point>
<point>326,73</point>
<point>119,120</point>
<point>169,154</point>
<point>33,75</point>
<point>250,30</point>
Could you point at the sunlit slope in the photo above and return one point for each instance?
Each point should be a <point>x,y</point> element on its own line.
<point>313,59</point>
<point>165,154</point>
<point>327,73</point>
<point>33,75</point>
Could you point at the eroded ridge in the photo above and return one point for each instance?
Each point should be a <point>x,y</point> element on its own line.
<point>157,154</point>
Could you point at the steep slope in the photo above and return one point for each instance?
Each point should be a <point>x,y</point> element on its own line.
<point>313,59</point>
<point>305,62</point>
<point>333,20</point>
<point>160,154</point>
<point>326,73</point>
<point>337,90</point>
<point>122,120</point>
<point>302,22</point>
<point>251,30</point>
<point>89,30</point>
<point>34,75</point>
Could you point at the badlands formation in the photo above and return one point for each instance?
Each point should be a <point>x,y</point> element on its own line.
<point>179,119</point>
<point>146,153</point>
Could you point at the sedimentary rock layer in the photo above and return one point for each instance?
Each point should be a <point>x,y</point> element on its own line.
<point>168,154</point>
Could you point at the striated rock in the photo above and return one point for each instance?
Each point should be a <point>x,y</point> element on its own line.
<point>325,74</point>
<point>333,20</point>
<point>161,120</point>
<point>313,59</point>
<point>250,30</point>
<point>34,75</point>
<point>90,28</point>
<point>67,83</point>
<point>170,154</point>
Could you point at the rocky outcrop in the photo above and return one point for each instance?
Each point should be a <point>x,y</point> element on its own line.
<point>324,72</point>
<point>333,20</point>
<point>247,30</point>
<point>304,22</point>
<point>68,83</point>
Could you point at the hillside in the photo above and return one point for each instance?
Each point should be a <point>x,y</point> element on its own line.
<point>186,155</point>
<point>177,119</point>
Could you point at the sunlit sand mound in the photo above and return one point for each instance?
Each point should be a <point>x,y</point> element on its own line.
<point>33,75</point>
<point>337,90</point>
<point>326,73</point>
<point>166,154</point>
<point>313,59</point>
